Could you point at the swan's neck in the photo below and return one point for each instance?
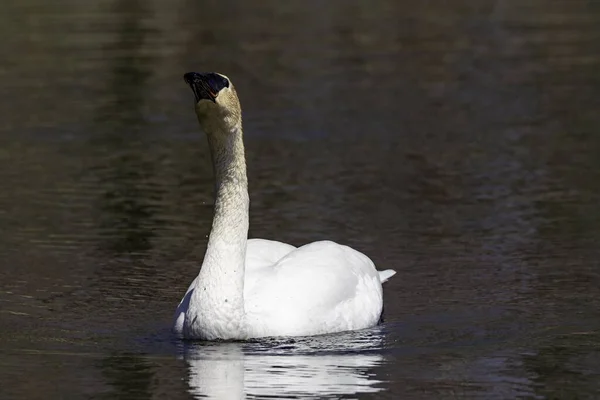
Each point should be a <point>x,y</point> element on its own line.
<point>230,224</point>
<point>221,278</point>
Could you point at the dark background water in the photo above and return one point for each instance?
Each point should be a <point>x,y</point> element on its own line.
<point>456,142</point>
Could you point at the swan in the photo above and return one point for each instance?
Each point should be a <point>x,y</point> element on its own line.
<point>251,288</point>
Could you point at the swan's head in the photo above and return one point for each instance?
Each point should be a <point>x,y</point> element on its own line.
<point>216,100</point>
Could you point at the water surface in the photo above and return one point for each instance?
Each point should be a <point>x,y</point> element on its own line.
<point>454,142</point>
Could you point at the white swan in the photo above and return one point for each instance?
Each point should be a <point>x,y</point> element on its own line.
<point>257,288</point>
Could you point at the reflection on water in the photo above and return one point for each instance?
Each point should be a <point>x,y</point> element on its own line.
<point>304,367</point>
<point>456,142</point>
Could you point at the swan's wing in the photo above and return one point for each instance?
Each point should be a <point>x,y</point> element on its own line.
<point>262,252</point>
<point>330,269</point>
<point>317,288</point>
<point>179,317</point>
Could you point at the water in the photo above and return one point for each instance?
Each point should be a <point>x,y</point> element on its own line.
<point>456,142</point>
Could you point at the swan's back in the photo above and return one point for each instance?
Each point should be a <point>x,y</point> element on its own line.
<point>317,288</point>
<point>265,253</point>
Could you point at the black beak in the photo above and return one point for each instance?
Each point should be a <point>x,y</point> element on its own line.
<point>200,84</point>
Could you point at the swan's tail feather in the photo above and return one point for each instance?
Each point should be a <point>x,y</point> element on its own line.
<point>385,275</point>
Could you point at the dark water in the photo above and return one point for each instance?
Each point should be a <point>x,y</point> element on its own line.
<point>456,142</point>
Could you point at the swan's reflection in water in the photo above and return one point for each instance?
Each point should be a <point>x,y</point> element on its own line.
<point>322,366</point>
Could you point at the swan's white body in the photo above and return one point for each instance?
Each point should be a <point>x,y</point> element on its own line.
<point>257,288</point>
